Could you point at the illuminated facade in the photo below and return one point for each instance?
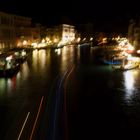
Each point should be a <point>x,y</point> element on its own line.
<point>64,32</point>
<point>68,32</point>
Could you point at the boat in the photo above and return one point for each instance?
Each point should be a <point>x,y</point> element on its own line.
<point>8,66</point>
<point>20,56</point>
<point>108,60</point>
<point>127,64</point>
<point>126,67</point>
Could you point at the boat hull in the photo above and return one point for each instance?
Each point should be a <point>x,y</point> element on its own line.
<point>9,72</point>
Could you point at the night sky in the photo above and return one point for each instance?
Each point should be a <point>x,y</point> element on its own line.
<point>109,16</point>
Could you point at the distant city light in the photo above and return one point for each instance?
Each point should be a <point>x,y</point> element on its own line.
<point>91,38</point>
<point>43,40</point>
<point>138,51</point>
<point>9,58</point>
<point>34,45</point>
<point>55,40</point>
<point>84,39</point>
<point>78,39</point>
<point>24,42</point>
<point>130,47</point>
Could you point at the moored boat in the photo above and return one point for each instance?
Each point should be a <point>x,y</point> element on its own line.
<point>8,66</point>
<point>20,56</point>
<point>127,64</point>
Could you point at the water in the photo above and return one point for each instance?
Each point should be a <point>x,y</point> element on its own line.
<point>100,101</point>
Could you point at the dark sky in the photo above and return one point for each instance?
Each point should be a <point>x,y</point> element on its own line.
<point>105,15</point>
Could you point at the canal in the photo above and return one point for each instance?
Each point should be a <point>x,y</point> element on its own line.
<point>75,97</point>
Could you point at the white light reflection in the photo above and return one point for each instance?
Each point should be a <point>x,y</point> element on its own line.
<point>9,85</point>
<point>129,83</point>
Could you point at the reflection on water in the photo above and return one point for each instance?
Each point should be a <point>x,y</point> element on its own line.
<point>24,72</point>
<point>130,78</point>
<point>7,85</point>
<point>42,58</point>
<point>2,85</point>
<point>12,83</point>
<point>92,88</point>
<point>67,56</point>
<point>35,58</point>
<point>64,54</point>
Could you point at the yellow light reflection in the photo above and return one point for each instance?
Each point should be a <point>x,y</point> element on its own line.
<point>42,58</point>
<point>64,53</point>
<point>2,85</point>
<point>25,71</point>
<point>35,58</point>
<point>18,76</point>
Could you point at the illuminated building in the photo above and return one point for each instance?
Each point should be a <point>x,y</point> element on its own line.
<point>63,32</point>
<point>68,32</point>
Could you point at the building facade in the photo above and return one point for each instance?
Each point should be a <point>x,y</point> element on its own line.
<point>63,32</point>
<point>16,31</point>
<point>134,32</point>
<point>68,32</point>
<point>23,30</point>
<point>7,31</point>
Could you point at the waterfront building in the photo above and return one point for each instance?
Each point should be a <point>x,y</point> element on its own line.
<point>7,31</point>
<point>134,32</point>
<point>63,32</point>
<point>17,31</point>
<point>23,30</point>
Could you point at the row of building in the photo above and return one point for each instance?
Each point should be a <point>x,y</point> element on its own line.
<point>15,28</point>
<point>16,31</point>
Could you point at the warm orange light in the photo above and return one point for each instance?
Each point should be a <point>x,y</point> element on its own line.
<point>24,42</point>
